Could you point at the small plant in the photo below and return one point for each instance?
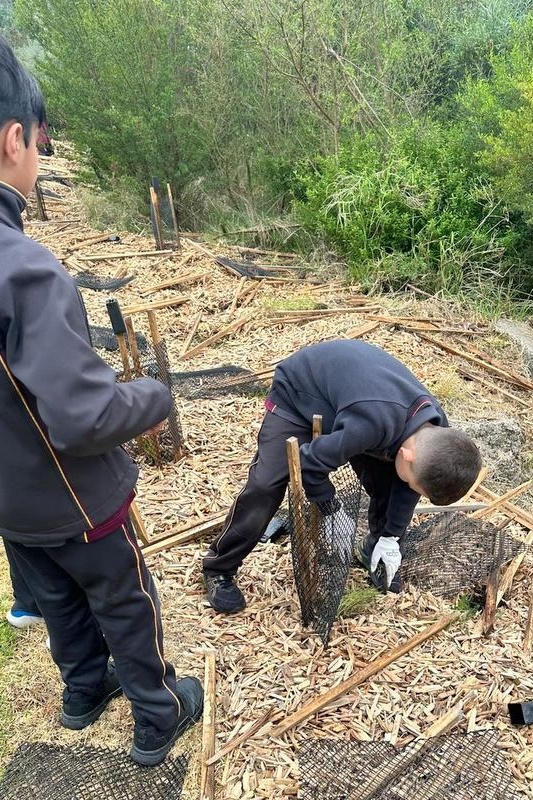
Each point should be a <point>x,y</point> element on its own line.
<point>469,605</point>
<point>357,599</point>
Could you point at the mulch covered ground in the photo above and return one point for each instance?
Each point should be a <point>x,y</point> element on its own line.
<point>265,660</point>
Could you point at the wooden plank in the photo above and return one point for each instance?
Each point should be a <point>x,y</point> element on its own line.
<point>177,300</point>
<point>361,676</point>
<point>500,501</point>
<point>186,535</point>
<point>133,254</point>
<point>138,524</point>
<point>207,771</point>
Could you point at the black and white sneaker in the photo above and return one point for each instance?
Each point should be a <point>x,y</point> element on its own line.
<point>223,594</point>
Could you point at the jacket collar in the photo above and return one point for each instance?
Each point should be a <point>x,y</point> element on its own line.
<point>12,204</point>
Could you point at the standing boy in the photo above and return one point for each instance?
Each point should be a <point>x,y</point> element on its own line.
<point>65,483</point>
<point>375,415</point>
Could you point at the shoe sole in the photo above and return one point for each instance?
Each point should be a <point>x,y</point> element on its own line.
<point>224,610</point>
<point>23,622</point>
<point>82,721</point>
<point>151,758</point>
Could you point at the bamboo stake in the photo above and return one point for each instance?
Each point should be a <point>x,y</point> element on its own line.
<point>119,329</point>
<point>483,472</point>
<point>233,328</point>
<point>491,593</point>
<point>361,676</point>
<point>490,385</point>
<point>315,516</point>
<point>190,277</point>
<point>366,327</point>
<point>190,335</point>
<point>115,256</point>
<point>207,774</point>
<point>514,512</point>
<point>138,524</point>
<point>134,350</point>
<point>103,237</point>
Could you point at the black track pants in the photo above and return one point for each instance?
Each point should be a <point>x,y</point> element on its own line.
<point>86,591</point>
<point>260,498</point>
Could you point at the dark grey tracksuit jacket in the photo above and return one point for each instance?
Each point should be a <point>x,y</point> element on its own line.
<point>370,404</point>
<point>63,418</point>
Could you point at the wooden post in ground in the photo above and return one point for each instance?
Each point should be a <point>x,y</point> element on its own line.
<point>299,532</point>
<point>119,329</point>
<point>207,774</point>
<point>156,218</point>
<point>174,218</point>
<point>154,450</point>
<point>315,515</point>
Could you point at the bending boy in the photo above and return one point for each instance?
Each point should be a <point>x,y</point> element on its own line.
<point>375,415</point>
<point>65,483</point>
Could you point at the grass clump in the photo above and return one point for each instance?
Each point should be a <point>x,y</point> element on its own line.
<point>358,598</point>
<point>468,605</point>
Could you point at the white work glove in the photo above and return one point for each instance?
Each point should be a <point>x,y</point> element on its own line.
<point>339,529</point>
<point>387,550</point>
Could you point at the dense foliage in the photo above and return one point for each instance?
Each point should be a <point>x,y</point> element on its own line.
<point>397,131</point>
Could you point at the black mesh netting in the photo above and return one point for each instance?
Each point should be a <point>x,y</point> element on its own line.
<point>51,772</point>
<point>322,551</point>
<point>245,269</point>
<point>453,767</point>
<point>88,280</point>
<point>228,379</point>
<point>451,553</point>
<point>147,360</point>
<point>164,223</point>
<point>105,339</point>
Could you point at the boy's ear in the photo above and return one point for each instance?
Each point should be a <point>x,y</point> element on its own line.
<point>408,453</point>
<point>12,140</point>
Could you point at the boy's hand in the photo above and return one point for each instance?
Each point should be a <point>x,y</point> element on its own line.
<point>387,550</point>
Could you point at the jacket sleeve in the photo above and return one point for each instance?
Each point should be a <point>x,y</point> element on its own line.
<point>355,431</point>
<point>84,409</point>
<point>400,509</point>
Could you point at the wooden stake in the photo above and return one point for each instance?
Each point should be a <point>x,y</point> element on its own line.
<point>138,524</point>
<point>134,350</point>
<point>158,235</point>
<point>178,300</point>
<point>41,208</point>
<point>242,738</point>
<point>207,774</point>
<point>240,287</point>
<point>361,676</point>
<point>190,335</point>
<point>233,328</point>
<point>514,512</point>
<point>491,592</point>
<point>297,498</point>
<point>174,218</point>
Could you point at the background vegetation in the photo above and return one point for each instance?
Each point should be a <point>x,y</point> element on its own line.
<point>397,133</point>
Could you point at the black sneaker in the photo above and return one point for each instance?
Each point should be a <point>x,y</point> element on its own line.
<point>150,745</point>
<point>223,594</point>
<point>80,709</point>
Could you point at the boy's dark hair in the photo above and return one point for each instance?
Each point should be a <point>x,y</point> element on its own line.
<point>20,97</point>
<point>447,462</point>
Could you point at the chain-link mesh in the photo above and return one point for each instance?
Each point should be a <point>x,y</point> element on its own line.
<point>451,553</point>
<point>149,360</point>
<point>322,551</point>
<point>228,379</point>
<point>453,767</point>
<point>88,280</point>
<point>52,772</point>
